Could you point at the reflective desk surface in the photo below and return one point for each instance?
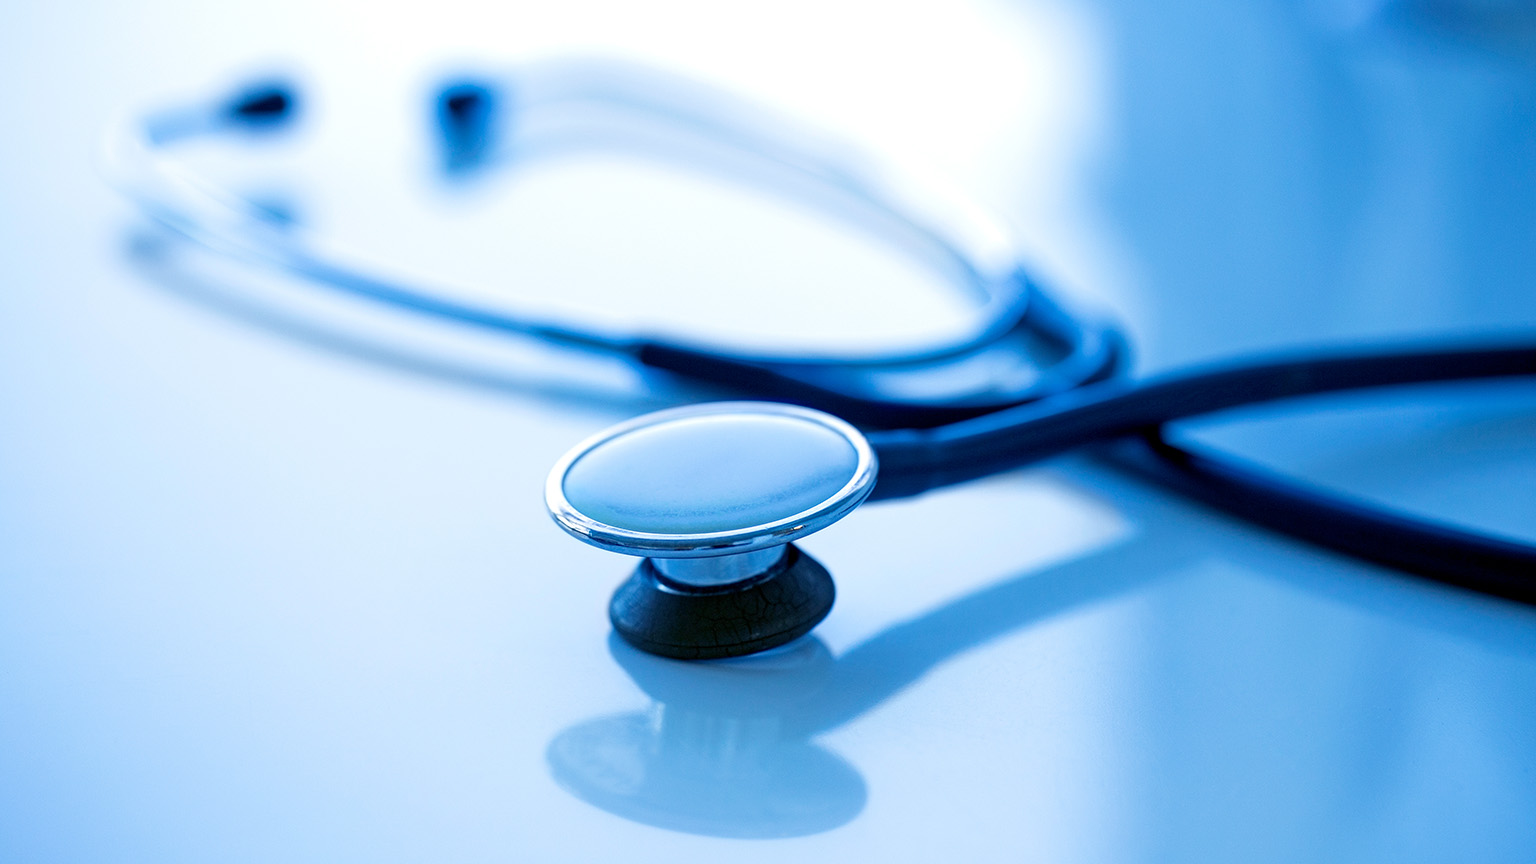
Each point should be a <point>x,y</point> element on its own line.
<point>276,583</point>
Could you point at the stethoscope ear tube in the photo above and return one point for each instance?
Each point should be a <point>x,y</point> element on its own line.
<point>1072,353</point>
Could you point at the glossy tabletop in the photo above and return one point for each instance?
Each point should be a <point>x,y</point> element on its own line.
<point>277,582</point>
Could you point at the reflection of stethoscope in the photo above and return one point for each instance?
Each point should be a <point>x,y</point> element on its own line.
<point>711,496</point>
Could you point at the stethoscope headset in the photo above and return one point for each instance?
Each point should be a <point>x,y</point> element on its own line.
<point>711,496</point>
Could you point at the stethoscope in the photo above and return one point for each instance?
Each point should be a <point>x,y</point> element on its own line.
<point>711,497</point>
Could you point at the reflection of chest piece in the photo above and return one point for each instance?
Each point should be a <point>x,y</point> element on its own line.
<point>711,496</point>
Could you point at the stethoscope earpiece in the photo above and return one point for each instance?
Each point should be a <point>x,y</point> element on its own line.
<point>466,111</point>
<point>711,496</point>
<point>264,105</point>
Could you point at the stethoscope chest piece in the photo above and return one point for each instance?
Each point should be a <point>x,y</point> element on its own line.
<point>710,496</point>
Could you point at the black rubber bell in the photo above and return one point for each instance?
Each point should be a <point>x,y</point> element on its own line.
<point>673,619</point>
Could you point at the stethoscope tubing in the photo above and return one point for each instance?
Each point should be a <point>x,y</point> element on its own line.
<point>1453,556</point>
<point>1079,398</point>
<point>916,460</point>
<point>1016,314</point>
